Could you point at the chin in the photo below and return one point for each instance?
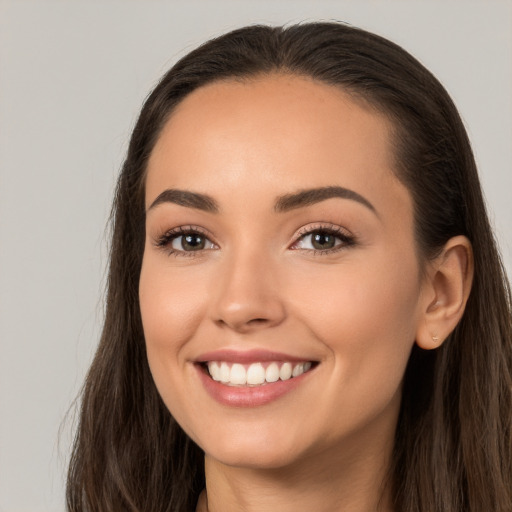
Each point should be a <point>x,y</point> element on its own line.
<point>258,452</point>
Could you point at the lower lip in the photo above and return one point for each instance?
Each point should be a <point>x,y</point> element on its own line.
<point>241,396</point>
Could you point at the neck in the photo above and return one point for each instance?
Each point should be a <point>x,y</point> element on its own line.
<point>329,482</point>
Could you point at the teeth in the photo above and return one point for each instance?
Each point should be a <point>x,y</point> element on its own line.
<point>238,375</point>
<point>214,370</point>
<point>255,374</point>
<point>298,369</point>
<point>286,371</point>
<point>272,373</point>
<point>223,373</point>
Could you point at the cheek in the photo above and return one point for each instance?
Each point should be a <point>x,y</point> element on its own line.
<point>366,316</point>
<point>354,299</point>
<point>171,304</point>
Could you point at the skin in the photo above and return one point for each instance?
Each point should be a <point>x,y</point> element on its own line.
<point>258,284</point>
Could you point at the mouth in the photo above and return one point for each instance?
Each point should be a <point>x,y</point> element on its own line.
<point>251,378</point>
<point>256,374</point>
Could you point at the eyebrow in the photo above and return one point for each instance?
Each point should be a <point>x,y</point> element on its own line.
<point>188,199</point>
<point>316,195</point>
<point>283,203</point>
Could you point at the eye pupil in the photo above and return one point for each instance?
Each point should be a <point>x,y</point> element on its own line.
<point>323,240</point>
<point>193,242</point>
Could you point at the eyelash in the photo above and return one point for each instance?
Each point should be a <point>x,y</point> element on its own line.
<point>164,242</point>
<point>346,239</point>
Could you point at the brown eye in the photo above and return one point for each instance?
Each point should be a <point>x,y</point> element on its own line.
<point>185,241</point>
<point>189,242</point>
<point>322,240</point>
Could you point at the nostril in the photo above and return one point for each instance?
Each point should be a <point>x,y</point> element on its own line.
<point>247,325</point>
<point>254,314</point>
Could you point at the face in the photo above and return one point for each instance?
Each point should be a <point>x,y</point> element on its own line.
<point>280,290</point>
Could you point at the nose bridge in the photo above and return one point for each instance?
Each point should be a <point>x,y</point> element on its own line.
<point>247,296</point>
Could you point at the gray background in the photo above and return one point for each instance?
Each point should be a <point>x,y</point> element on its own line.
<point>73,75</point>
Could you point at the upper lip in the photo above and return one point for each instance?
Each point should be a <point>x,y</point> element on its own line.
<point>247,356</point>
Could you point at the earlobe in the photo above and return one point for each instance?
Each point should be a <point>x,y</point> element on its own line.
<point>447,288</point>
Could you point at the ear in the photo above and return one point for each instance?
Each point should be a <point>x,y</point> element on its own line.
<point>446,290</point>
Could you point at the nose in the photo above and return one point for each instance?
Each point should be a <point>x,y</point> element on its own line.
<point>247,296</point>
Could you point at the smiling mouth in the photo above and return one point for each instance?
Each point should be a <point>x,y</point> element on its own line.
<point>255,374</point>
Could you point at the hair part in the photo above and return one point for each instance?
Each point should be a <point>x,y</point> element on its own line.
<point>453,445</point>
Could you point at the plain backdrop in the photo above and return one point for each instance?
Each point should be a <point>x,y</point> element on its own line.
<point>73,75</point>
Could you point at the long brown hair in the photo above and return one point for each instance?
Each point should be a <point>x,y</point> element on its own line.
<point>453,445</point>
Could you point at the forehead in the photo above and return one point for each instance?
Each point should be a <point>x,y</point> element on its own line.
<point>274,134</point>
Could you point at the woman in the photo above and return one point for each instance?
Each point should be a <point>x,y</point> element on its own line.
<point>306,307</point>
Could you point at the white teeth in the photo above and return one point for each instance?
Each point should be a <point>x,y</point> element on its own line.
<point>214,370</point>
<point>298,369</point>
<point>224,373</point>
<point>238,375</point>
<point>272,373</point>
<point>286,371</point>
<point>255,374</point>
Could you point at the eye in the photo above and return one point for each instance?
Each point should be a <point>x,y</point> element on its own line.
<point>320,240</point>
<point>191,242</point>
<point>184,241</point>
<point>323,240</point>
